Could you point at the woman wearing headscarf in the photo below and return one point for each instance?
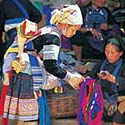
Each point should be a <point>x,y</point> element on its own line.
<point>25,66</point>
<point>110,73</point>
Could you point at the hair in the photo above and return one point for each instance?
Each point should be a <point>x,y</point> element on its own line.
<point>119,42</point>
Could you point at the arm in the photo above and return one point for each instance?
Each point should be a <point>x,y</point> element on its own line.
<point>117,80</point>
<point>94,71</point>
<point>50,51</point>
<point>50,56</point>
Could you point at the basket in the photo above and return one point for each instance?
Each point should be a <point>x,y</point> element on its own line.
<point>63,105</point>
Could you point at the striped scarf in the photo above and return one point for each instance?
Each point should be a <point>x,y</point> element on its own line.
<point>37,74</point>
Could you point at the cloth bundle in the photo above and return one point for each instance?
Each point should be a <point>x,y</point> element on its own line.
<point>27,29</point>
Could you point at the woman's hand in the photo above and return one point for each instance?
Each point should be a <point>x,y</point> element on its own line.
<point>74,79</point>
<point>18,65</point>
<point>105,75</point>
<point>96,34</point>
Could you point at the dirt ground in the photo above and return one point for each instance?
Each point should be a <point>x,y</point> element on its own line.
<point>58,122</point>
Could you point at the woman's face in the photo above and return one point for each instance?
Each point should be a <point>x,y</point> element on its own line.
<point>112,53</point>
<point>71,30</point>
<point>99,3</point>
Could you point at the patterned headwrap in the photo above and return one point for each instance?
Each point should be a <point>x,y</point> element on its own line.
<point>69,14</point>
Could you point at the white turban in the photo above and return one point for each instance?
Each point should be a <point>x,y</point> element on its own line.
<point>69,14</point>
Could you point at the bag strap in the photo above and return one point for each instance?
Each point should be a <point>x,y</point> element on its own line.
<point>21,8</point>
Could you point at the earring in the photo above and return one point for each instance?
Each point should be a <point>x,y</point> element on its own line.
<point>64,31</point>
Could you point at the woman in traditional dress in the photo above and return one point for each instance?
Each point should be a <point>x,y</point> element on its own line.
<point>110,73</point>
<point>24,101</point>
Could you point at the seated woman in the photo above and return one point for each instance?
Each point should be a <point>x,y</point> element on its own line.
<point>97,21</point>
<point>111,74</point>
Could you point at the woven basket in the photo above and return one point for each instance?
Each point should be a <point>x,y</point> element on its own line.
<point>63,105</point>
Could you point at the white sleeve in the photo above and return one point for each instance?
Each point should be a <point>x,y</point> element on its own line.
<point>50,52</point>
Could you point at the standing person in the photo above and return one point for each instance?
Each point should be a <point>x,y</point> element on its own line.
<point>90,38</point>
<point>26,77</point>
<point>111,74</point>
<point>12,13</point>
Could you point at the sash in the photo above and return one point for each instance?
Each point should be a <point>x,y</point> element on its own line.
<point>37,74</point>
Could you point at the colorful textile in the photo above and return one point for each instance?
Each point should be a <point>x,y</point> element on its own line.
<point>91,103</point>
<point>20,102</point>
<point>36,72</point>
<point>2,98</point>
<point>27,29</point>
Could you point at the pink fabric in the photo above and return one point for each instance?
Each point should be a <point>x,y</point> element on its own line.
<point>98,119</point>
<point>95,113</point>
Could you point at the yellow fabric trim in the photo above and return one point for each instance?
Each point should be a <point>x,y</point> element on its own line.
<point>35,95</point>
<point>17,66</point>
<point>11,50</point>
<point>38,95</point>
<point>40,92</point>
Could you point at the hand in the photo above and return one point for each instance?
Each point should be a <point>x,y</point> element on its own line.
<point>75,79</point>
<point>17,66</point>
<point>112,109</point>
<point>121,98</point>
<point>107,76</point>
<point>96,34</point>
<point>104,26</point>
